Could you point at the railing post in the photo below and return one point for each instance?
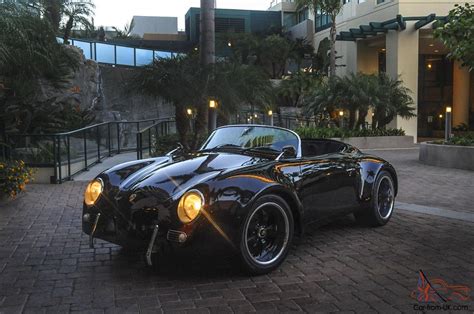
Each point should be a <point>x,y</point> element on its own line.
<point>59,160</point>
<point>98,144</point>
<point>134,57</point>
<point>85,150</point>
<point>69,157</point>
<point>149,142</point>
<point>139,148</point>
<point>55,162</point>
<point>109,139</point>
<point>118,137</point>
<point>138,129</point>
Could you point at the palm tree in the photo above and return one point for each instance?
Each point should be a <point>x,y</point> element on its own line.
<point>332,8</point>
<point>77,12</point>
<point>360,92</point>
<point>126,33</point>
<point>295,89</point>
<point>393,99</point>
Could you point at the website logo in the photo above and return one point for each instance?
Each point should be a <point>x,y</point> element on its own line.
<point>436,290</point>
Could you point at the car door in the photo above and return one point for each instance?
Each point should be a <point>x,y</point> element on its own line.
<point>327,185</point>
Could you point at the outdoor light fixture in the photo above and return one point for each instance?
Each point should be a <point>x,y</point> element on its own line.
<point>436,50</point>
<point>341,113</point>
<point>383,49</point>
<point>229,44</point>
<point>429,65</point>
<point>441,116</point>
<point>447,123</point>
<point>213,103</point>
<point>431,45</point>
<point>270,112</point>
<point>189,111</point>
<point>255,115</point>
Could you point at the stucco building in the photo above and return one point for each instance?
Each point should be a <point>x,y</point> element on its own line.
<point>396,36</point>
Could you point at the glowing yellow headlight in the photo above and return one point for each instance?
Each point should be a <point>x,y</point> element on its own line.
<point>190,205</point>
<point>93,191</point>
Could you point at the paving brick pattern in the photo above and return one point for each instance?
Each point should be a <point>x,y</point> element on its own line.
<point>430,186</point>
<point>47,266</point>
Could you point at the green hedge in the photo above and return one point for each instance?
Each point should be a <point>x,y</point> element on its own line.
<point>466,139</point>
<point>311,132</point>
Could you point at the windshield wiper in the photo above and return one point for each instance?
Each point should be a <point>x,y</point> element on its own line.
<point>233,146</point>
<point>261,149</point>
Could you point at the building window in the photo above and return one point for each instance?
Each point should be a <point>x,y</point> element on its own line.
<point>323,21</point>
<point>289,19</point>
<point>380,1</point>
<point>303,15</point>
<point>225,25</point>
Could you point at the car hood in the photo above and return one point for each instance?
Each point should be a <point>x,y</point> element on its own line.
<point>170,178</point>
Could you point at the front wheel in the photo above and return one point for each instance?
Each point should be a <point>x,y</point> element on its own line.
<point>380,209</point>
<point>266,235</point>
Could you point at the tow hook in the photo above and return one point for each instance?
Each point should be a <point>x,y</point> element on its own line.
<point>94,227</point>
<point>151,245</point>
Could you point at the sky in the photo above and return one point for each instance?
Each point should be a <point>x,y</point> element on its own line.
<point>120,12</point>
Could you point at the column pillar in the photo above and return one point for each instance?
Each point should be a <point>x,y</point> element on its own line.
<point>402,48</point>
<point>461,86</point>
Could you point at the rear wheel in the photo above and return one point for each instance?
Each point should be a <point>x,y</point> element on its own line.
<point>380,209</point>
<point>266,235</point>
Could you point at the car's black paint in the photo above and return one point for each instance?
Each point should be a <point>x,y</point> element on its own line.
<point>141,194</point>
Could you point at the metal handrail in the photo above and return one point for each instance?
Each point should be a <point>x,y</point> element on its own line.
<point>72,152</point>
<point>164,127</point>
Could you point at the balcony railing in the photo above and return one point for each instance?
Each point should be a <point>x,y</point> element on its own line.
<point>120,55</point>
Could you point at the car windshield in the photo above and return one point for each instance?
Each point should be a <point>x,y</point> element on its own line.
<point>251,137</point>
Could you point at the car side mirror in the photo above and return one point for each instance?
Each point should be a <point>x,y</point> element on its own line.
<point>287,152</point>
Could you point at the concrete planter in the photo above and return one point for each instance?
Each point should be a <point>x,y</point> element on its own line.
<point>449,156</point>
<point>374,142</point>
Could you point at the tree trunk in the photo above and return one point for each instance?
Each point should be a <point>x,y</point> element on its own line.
<point>67,29</point>
<point>352,118</point>
<point>207,44</point>
<point>53,13</point>
<point>182,125</point>
<point>361,118</point>
<point>333,31</point>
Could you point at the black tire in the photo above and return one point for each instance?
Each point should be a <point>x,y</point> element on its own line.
<point>266,235</point>
<point>379,211</point>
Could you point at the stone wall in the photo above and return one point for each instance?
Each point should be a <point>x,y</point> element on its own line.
<point>103,89</point>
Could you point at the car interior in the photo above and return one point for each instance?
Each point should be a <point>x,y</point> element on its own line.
<point>318,147</point>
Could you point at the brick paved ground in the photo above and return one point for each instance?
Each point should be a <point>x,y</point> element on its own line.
<point>47,266</point>
<point>431,186</point>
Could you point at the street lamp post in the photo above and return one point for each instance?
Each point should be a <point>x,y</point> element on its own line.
<point>191,116</point>
<point>212,114</point>
<point>448,125</point>
<point>270,115</point>
<point>341,116</point>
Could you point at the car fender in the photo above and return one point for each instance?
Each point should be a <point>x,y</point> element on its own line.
<point>368,173</point>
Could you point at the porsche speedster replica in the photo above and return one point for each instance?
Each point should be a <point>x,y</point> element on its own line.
<point>254,186</point>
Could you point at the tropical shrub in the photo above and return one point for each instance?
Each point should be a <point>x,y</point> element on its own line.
<point>466,139</point>
<point>14,176</point>
<point>311,132</point>
<point>357,93</point>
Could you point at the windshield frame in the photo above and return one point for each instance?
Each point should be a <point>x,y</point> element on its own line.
<point>298,149</point>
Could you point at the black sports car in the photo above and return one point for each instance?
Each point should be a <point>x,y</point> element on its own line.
<point>253,186</point>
